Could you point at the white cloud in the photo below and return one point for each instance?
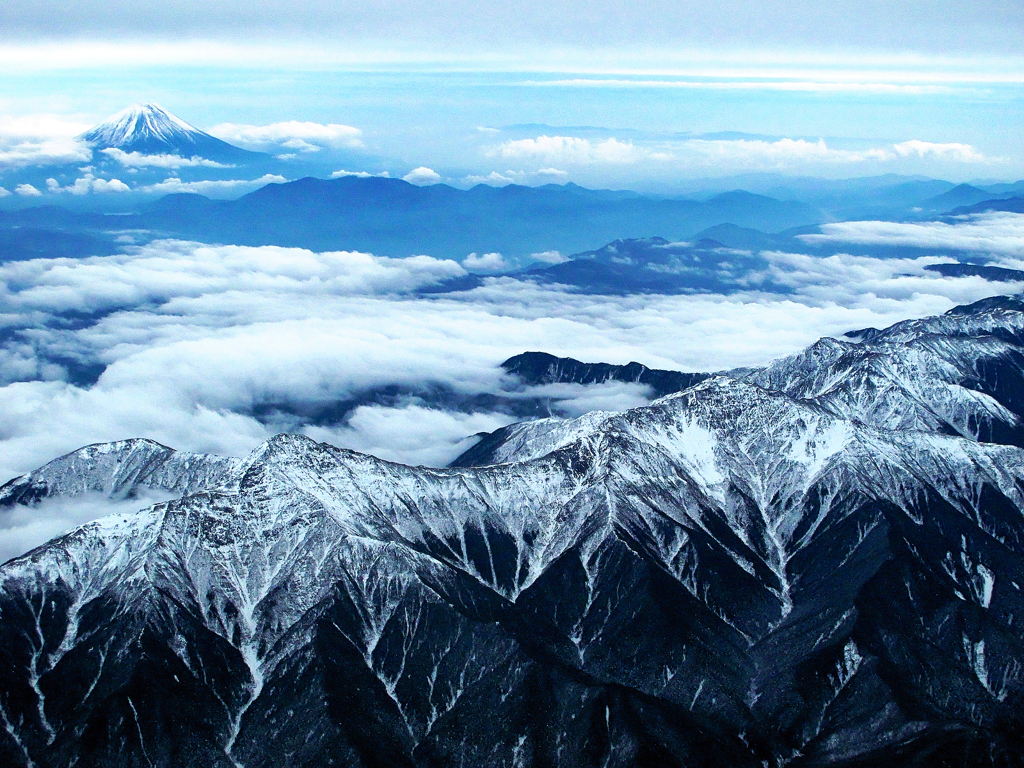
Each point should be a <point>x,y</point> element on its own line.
<point>24,528</point>
<point>574,400</point>
<point>489,262</point>
<point>88,184</point>
<point>996,234</point>
<point>41,140</point>
<point>359,174</point>
<point>225,187</point>
<point>28,152</point>
<point>570,150</point>
<point>549,257</point>
<point>719,154</point>
<point>422,176</point>
<point>139,160</point>
<point>4,192</point>
<point>785,153</point>
<point>27,190</point>
<point>963,153</point>
<point>410,434</point>
<point>543,175</point>
<point>170,270</point>
<point>780,152</point>
<point>302,137</point>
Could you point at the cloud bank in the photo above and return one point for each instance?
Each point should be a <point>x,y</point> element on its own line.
<point>216,347</point>
<point>292,136</point>
<point>998,235</point>
<point>87,184</point>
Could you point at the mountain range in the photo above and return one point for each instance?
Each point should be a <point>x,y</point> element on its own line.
<point>814,563</point>
<point>146,152</point>
<point>394,218</point>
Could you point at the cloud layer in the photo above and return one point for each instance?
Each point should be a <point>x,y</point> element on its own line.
<point>998,235</point>
<point>216,348</point>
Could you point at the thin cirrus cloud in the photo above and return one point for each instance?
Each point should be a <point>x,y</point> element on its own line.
<point>461,26</point>
<point>201,347</point>
<point>690,153</point>
<point>805,86</point>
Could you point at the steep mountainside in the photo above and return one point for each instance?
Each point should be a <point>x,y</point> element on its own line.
<point>961,374</point>
<point>732,576</point>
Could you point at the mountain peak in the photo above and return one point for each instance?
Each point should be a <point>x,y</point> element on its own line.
<point>150,129</point>
<point>141,123</point>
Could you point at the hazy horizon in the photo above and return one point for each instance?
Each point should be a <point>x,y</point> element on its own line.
<point>608,96</point>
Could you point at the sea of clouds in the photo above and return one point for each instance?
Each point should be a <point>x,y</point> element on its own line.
<point>216,348</point>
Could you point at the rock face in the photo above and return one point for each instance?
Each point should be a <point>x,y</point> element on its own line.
<point>755,571</point>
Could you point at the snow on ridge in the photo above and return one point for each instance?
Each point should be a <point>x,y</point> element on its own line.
<point>119,470</point>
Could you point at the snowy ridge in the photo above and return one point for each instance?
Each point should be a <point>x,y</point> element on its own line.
<point>732,565</point>
<point>120,470</point>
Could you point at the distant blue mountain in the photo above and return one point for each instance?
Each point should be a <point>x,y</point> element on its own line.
<point>958,196</point>
<point>1011,205</point>
<point>395,218</point>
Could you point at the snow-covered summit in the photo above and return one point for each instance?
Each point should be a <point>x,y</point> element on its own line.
<point>141,122</point>
<point>149,129</point>
<point>120,470</point>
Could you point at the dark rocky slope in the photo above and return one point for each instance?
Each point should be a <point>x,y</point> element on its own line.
<point>733,576</point>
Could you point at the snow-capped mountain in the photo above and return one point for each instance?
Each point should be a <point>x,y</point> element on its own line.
<point>961,373</point>
<point>732,576</point>
<point>120,470</point>
<point>150,130</point>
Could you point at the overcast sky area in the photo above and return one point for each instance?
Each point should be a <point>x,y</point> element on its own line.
<point>606,94</point>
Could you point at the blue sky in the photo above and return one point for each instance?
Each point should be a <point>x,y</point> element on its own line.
<point>604,94</point>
